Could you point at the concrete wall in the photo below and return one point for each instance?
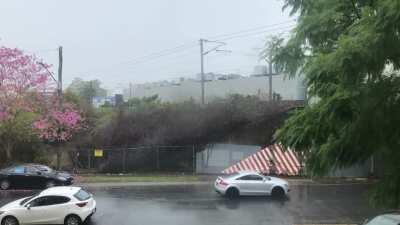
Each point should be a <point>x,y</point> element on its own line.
<point>289,89</point>
<point>218,157</point>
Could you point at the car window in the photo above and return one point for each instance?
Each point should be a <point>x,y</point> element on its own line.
<point>250,177</point>
<point>43,168</point>
<point>82,195</point>
<point>41,201</point>
<point>31,170</point>
<point>18,170</point>
<point>59,200</point>
<point>49,200</point>
<point>27,199</point>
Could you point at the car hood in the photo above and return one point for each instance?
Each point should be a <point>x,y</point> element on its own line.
<point>63,174</point>
<point>12,205</point>
<point>60,174</point>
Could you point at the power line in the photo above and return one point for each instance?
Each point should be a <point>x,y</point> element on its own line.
<point>228,36</point>
<point>252,29</point>
<point>283,29</point>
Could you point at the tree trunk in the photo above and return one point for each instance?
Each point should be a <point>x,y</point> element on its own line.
<point>58,157</point>
<point>8,149</point>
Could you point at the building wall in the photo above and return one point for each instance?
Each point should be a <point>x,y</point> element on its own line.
<point>289,89</point>
<point>216,158</point>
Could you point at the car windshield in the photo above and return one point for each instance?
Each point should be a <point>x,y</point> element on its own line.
<point>28,199</point>
<point>82,195</point>
<point>384,220</point>
<point>44,168</point>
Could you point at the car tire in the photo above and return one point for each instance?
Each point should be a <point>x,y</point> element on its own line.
<point>5,184</point>
<point>232,192</point>
<point>72,220</point>
<point>50,184</point>
<point>9,220</point>
<point>277,192</point>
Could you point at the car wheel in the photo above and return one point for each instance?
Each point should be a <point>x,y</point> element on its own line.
<point>232,192</point>
<point>72,220</point>
<point>9,220</point>
<point>50,184</point>
<point>5,184</point>
<point>278,192</point>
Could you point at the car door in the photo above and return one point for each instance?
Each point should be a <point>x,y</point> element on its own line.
<point>58,209</point>
<point>36,211</point>
<point>252,184</point>
<point>18,177</point>
<point>35,177</point>
<point>46,210</point>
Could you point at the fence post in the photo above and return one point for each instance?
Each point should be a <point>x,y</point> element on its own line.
<point>89,158</point>
<point>158,158</point>
<point>194,159</point>
<point>123,160</point>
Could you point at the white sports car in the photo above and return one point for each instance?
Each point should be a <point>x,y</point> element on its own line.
<point>251,183</point>
<point>57,205</point>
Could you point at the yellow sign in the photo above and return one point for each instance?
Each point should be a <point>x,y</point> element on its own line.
<point>98,153</point>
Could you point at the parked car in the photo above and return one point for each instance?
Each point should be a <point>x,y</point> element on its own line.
<point>251,183</point>
<point>27,176</point>
<point>57,205</point>
<point>47,169</point>
<point>385,219</point>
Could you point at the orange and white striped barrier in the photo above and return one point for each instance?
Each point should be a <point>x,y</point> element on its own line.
<point>273,159</point>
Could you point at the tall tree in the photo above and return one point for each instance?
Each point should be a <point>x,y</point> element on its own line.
<point>87,89</point>
<point>26,103</point>
<point>349,52</point>
<point>23,82</point>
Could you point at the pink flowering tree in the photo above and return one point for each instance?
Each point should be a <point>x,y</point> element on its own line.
<point>27,96</point>
<point>58,126</point>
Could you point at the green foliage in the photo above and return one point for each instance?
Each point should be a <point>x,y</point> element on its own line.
<point>348,51</point>
<point>87,90</point>
<point>148,121</point>
<point>16,133</point>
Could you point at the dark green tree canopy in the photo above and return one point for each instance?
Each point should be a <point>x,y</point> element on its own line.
<point>349,52</point>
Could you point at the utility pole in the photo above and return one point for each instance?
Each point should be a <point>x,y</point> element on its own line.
<point>60,97</point>
<point>270,80</point>
<point>269,73</point>
<point>202,69</point>
<point>202,54</point>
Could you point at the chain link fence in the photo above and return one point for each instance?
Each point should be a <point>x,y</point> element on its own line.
<point>138,159</point>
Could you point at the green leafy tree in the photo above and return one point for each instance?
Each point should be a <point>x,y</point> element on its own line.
<point>87,89</point>
<point>15,131</point>
<point>349,52</point>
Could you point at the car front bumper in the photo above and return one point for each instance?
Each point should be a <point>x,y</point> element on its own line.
<point>219,189</point>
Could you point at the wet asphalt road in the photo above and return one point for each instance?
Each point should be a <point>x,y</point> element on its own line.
<point>200,205</point>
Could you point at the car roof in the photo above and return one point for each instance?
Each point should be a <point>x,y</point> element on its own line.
<point>64,191</point>
<point>248,172</point>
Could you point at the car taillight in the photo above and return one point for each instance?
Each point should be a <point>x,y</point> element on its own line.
<point>223,183</point>
<point>81,204</point>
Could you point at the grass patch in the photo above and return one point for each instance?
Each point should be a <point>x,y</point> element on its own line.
<point>137,178</point>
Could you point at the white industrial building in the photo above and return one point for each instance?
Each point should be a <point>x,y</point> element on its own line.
<point>219,86</point>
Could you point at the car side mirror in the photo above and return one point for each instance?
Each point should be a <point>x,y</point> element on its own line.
<point>28,206</point>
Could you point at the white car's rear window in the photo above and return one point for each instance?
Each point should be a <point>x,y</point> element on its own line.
<point>82,195</point>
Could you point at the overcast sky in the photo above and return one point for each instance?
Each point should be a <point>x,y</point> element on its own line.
<point>106,40</point>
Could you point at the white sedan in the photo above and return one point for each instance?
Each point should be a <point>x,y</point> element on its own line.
<point>57,205</point>
<point>251,183</point>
